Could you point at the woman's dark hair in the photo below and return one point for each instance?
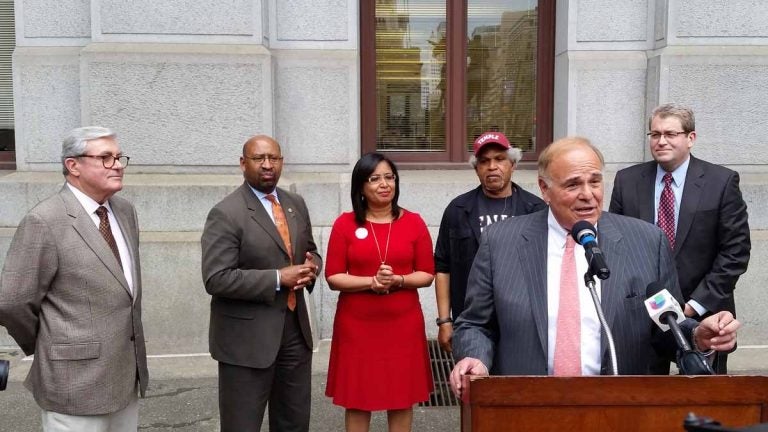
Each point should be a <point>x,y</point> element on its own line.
<point>363,169</point>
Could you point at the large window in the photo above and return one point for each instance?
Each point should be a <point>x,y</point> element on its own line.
<point>438,73</point>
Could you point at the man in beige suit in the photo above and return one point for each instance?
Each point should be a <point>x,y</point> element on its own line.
<point>70,293</point>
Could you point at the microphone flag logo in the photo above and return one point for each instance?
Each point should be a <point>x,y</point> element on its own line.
<point>657,302</point>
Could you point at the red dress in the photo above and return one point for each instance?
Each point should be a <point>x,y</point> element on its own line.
<point>379,358</point>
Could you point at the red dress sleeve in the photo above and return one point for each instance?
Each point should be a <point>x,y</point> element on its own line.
<point>338,243</point>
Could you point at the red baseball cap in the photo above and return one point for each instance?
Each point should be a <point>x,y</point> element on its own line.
<point>490,138</point>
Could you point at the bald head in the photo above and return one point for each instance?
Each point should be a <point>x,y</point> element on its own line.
<point>261,163</point>
<point>571,180</point>
<point>562,146</point>
<point>258,138</point>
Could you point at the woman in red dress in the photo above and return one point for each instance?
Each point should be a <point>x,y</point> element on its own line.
<point>378,256</point>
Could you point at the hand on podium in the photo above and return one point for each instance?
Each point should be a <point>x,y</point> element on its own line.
<point>466,366</point>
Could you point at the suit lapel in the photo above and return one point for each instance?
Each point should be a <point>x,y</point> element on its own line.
<point>535,263</point>
<point>645,193</point>
<point>83,224</point>
<point>610,239</point>
<point>260,215</point>
<point>692,192</point>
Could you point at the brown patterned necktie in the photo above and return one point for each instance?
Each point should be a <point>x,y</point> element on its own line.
<point>106,232</point>
<point>666,216</point>
<point>282,227</point>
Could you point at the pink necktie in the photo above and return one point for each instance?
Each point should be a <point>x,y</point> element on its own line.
<point>568,342</point>
<point>666,216</point>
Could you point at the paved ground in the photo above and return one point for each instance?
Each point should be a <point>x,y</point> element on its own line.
<point>182,397</point>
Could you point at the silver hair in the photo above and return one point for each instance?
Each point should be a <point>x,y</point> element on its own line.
<point>513,153</point>
<point>77,139</point>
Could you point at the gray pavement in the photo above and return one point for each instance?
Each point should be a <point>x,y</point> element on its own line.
<point>183,397</point>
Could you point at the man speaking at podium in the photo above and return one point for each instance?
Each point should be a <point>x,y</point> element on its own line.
<point>527,310</point>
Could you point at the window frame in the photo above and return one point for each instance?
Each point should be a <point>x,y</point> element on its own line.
<point>456,153</point>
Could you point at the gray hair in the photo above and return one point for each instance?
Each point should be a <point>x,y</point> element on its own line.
<point>681,112</point>
<point>76,140</point>
<point>514,154</point>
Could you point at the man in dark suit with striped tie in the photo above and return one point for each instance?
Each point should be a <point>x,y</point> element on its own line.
<point>525,291</point>
<point>699,207</point>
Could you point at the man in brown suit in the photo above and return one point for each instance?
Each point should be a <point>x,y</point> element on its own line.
<point>70,293</point>
<point>258,257</point>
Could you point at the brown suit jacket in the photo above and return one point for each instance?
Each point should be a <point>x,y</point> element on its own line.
<point>65,299</point>
<point>241,250</point>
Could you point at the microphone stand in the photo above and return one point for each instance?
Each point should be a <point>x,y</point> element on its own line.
<point>589,281</point>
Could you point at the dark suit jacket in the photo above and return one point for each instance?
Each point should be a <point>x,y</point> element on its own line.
<point>459,238</point>
<point>712,240</point>
<point>241,251</point>
<point>65,299</point>
<point>504,323</point>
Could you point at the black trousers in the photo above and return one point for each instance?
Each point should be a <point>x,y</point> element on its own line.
<point>285,387</point>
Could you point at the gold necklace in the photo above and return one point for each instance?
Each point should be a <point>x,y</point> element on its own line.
<point>376,240</point>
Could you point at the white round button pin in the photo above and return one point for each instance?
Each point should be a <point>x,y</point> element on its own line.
<point>361,233</point>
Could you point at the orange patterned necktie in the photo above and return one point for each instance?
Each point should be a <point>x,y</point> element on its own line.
<point>106,232</point>
<point>282,228</point>
<point>568,340</point>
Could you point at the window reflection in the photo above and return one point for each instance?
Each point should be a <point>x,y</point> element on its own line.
<point>501,70</point>
<point>410,75</point>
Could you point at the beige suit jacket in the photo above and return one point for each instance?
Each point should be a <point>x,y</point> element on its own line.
<point>65,299</point>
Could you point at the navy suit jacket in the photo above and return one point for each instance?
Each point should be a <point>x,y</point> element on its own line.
<point>504,323</point>
<point>712,243</point>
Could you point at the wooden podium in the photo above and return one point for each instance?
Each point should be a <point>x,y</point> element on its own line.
<point>610,403</point>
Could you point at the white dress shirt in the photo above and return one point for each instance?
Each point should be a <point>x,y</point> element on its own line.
<point>90,207</point>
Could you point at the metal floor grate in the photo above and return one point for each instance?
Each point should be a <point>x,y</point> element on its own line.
<point>442,364</point>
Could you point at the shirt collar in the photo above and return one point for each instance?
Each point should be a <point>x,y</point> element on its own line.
<point>678,175</point>
<point>89,204</point>
<point>261,195</point>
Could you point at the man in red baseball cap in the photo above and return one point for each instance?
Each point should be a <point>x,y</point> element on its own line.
<point>465,218</point>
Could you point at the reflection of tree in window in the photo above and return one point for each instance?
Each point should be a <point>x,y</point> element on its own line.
<point>501,72</point>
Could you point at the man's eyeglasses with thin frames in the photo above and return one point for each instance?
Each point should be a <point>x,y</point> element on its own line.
<point>109,160</point>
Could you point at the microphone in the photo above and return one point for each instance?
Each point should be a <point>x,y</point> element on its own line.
<point>585,234</point>
<point>665,311</point>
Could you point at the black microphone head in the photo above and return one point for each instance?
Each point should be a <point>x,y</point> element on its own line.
<point>582,228</point>
<point>653,289</point>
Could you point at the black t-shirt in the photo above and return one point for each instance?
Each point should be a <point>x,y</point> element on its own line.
<point>492,210</point>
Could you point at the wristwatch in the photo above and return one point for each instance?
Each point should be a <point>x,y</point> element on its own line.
<point>441,321</point>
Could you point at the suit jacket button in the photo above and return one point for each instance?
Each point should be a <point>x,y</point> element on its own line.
<point>133,338</point>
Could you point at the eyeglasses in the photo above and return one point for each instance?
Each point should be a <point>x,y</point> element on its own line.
<point>259,159</point>
<point>669,136</point>
<point>374,179</point>
<point>109,160</point>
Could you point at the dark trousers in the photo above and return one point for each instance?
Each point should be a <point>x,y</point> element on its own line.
<point>285,386</point>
